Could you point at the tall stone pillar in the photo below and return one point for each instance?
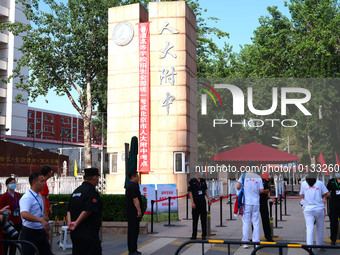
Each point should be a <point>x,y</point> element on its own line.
<point>173,93</point>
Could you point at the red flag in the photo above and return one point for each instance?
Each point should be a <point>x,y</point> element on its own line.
<point>337,159</point>
<point>322,161</point>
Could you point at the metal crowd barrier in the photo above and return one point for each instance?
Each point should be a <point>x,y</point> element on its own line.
<point>258,245</point>
<point>307,248</point>
<point>19,248</point>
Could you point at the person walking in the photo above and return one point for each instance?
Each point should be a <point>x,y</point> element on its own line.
<point>252,187</point>
<point>47,172</point>
<point>197,191</point>
<point>334,206</point>
<point>134,205</point>
<point>312,192</point>
<point>264,207</point>
<point>35,228</point>
<point>11,198</point>
<point>84,215</point>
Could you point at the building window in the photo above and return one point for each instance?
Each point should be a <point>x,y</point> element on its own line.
<point>30,115</point>
<point>67,120</point>
<point>52,129</point>
<point>46,128</point>
<point>113,163</point>
<point>74,125</point>
<point>52,118</point>
<point>30,127</point>
<point>179,162</point>
<point>38,120</point>
<point>45,117</point>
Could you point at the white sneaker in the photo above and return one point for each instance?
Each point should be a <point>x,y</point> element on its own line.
<point>245,246</point>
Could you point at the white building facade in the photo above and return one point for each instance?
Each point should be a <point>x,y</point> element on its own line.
<point>13,116</point>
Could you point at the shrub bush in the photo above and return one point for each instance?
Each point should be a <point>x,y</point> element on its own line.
<point>113,206</point>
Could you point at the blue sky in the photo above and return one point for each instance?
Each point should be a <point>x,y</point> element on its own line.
<point>237,17</point>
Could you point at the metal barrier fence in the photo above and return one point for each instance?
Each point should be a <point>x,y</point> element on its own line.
<point>18,247</point>
<point>56,185</point>
<point>215,188</point>
<point>258,245</point>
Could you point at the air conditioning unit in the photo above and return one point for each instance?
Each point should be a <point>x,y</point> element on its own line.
<point>52,121</point>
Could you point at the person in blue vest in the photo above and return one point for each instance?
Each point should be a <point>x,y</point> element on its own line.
<point>198,189</point>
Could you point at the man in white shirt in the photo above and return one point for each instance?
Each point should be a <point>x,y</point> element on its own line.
<point>252,188</point>
<point>35,228</point>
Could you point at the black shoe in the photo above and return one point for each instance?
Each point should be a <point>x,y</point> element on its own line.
<point>193,238</point>
<point>333,243</point>
<point>270,240</point>
<point>203,238</point>
<point>132,253</point>
<point>138,253</point>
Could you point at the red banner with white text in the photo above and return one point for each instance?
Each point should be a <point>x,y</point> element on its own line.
<point>144,97</point>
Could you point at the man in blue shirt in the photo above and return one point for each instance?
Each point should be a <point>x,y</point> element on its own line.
<point>35,229</point>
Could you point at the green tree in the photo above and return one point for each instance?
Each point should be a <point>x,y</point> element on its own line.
<point>306,45</point>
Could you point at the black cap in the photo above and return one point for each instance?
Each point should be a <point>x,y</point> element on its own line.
<point>91,171</point>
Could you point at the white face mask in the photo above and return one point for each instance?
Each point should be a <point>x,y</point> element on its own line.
<point>12,186</point>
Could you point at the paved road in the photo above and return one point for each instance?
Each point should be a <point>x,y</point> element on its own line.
<point>168,239</point>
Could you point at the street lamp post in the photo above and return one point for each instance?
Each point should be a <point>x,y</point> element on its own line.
<point>217,150</point>
<point>34,134</point>
<point>279,138</point>
<point>62,141</point>
<point>288,149</point>
<point>220,148</point>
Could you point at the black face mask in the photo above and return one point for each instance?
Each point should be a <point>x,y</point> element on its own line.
<point>311,181</point>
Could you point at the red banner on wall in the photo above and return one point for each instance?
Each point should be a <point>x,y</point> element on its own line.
<point>144,97</point>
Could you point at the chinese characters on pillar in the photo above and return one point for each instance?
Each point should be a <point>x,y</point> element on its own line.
<point>144,98</point>
<point>167,76</point>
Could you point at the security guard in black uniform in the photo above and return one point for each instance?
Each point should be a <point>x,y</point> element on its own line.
<point>334,205</point>
<point>133,200</point>
<point>264,207</point>
<point>84,216</point>
<point>198,189</point>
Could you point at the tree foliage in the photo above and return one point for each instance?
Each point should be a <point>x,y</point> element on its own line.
<point>305,45</point>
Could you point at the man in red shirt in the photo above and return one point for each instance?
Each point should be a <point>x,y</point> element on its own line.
<point>47,172</point>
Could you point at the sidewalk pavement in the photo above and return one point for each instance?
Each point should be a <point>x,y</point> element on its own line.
<point>166,240</point>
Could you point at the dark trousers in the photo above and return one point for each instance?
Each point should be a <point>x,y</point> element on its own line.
<point>37,237</point>
<point>11,248</point>
<point>334,214</point>
<point>265,219</point>
<point>85,241</point>
<point>133,232</point>
<point>200,210</point>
